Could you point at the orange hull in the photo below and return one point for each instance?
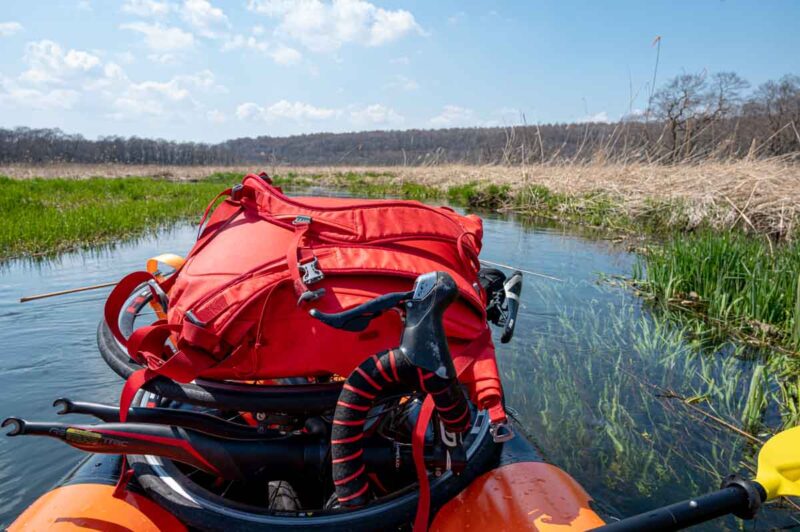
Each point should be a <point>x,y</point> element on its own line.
<point>518,491</point>
<point>93,507</point>
<point>520,496</point>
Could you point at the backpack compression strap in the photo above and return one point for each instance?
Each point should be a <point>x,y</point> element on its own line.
<point>146,346</point>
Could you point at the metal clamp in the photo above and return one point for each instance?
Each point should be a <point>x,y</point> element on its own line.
<point>501,432</point>
<point>311,274</point>
<point>194,320</point>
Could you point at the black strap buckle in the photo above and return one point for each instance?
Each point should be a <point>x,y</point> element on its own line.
<point>311,274</point>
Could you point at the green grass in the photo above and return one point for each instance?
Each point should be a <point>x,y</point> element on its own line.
<point>734,281</point>
<point>46,216</point>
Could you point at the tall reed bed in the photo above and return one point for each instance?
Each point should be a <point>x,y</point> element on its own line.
<point>732,280</point>
<point>758,196</point>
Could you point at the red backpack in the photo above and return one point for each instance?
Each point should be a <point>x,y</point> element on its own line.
<point>238,308</point>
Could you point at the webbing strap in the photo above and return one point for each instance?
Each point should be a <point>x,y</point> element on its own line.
<point>226,192</point>
<point>147,345</point>
<point>418,452</point>
<point>300,230</point>
<point>117,298</point>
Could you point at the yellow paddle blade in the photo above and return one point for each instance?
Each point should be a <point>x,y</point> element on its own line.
<point>779,464</point>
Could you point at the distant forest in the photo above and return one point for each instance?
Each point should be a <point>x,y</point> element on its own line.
<point>690,117</point>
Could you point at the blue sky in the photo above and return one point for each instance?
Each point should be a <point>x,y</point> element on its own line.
<point>209,70</point>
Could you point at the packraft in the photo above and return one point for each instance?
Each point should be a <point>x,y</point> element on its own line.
<point>238,308</point>
<point>308,288</point>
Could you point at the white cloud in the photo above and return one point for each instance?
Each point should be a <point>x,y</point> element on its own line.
<point>454,116</point>
<point>54,78</point>
<point>326,26</point>
<point>62,79</point>
<point>602,117</point>
<point>299,111</point>
<point>376,115</point>
<point>403,83</point>
<point>634,115</point>
<point>161,38</point>
<point>370,116</point>
<point>7,29</point>
<point>207,20</point>
<point>402,60</point>
<point>126,57</point>
<point>281,54</point>
<point>13,94</point>
<point>84,5</point>
<point>249,111</point>
<point>286,110</point>
<point>162,98</point>
<point>164,59</point>
<point>49,63</point>
<point>240,41</point>
<point>216,116</point>
<point>147,8</point>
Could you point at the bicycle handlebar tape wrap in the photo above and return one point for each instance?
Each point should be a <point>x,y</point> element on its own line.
<point>374,377</point>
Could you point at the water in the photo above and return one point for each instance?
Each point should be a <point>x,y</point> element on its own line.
<point>584,371</point>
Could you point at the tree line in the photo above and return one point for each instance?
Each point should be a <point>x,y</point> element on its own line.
<point>690,117</point>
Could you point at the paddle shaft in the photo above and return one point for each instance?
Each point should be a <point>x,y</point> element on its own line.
<point>729,500</point>
<point>65,292</point>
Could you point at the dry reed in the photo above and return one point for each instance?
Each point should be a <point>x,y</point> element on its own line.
<point>759,195</point>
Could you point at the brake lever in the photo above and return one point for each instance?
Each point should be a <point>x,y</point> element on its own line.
<point>358,318</point>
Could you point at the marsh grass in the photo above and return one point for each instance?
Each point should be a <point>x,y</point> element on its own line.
<point>46,216</point>
<point>735,281</point>
<point>758,196</point>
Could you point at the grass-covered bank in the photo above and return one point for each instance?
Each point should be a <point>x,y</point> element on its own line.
<point>46,216</point>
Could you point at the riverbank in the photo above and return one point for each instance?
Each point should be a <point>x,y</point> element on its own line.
<point>43,217</point>
<point>760,197</point>
<point>714,240</point>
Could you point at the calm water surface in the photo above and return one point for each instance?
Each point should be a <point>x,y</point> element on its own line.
<point>584,372</point>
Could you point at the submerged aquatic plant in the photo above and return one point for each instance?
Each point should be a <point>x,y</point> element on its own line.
<point>635,405</point>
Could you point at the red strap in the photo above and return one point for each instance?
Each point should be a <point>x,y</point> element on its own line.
<point>291,257</point>
<point>226,192</point>
<point>119,295</point>
<point>147,345</point>
<point>132,385</point>
<point>418,452</point>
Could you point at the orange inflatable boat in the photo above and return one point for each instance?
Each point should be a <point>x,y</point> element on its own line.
<point>255,401</point>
